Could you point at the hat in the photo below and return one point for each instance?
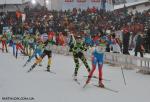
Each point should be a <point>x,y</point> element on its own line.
<point>78,37</point>
<point>101,44</point>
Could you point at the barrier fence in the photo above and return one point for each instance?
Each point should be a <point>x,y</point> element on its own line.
<point>116,59</point>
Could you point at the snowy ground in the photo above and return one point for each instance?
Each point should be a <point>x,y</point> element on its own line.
<point>59,87</point>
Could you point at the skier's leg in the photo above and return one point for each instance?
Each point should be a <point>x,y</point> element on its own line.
<point>17,50</point>
<point>141,53</point>
<point>6,46</point>
<point>40,58</point>
<point>94,62</point>
<point>36,56</point>
<point>21,48</point>
<point>100,75</point>
<point>82,57</point>
<point>76,64</point>
<point>37,61</point>
<point>26,49</point>
<point>49,63</point>
<point>32,56</point>
<point>16,53</point>
<point>39,52</point>
<point>2,46</point>
<point>30,50</point>
<point>49,54</point>
<point>135,53</point>
<point>13,46</point>
<point>91,73</point>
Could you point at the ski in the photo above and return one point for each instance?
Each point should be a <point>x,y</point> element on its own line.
<point>32,67</point>
<point>24,65</point>
<point>50,72</point>
<point>85,85</point>
<point>29,70</point>
<point>40,65</point>
<point>106,88</point>
<point>77,81</point>
<point>95,77</point>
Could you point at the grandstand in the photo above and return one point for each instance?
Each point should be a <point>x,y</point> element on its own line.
<point>13,5</point>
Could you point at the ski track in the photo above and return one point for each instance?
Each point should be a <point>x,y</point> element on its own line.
<point>60,87</point>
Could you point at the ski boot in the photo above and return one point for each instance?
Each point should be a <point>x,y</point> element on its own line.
<point>48,68</point>
<point>40,64</point>
<point>87,82</point>
<point>75,78</point>
<point>101,84</point>
<point>6,51</point>
<point>26,64</point>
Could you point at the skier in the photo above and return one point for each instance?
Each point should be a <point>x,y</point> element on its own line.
<point>31,42</point>
<point>77,50</point>
<point>19,45</point>
<point>97,58</point>
<point>25,43</point>
<point>115,44</point>
<point>139,45</point>
<point>4,42</point>
<point>14,44</point>
<point>47,51</point>
<point>88,40</point>
<point>37,51</point>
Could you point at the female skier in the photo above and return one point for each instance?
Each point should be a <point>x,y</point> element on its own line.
<point>97,58</point>
<point>38,51</point>
<point>47,51</point>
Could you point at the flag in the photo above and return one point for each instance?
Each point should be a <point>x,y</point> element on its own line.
<point>68,0</point>
<point>95,0</point>
<point>23,17</point>
<point>125,10</point>
<point>81,0</point>
<point>18,14</point>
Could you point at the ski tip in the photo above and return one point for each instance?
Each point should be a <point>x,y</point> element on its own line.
<point>109,89</point>
<point>28,71</point>
<point>40,65</point>
<point>50,71</point>
<point>77,81</point>
<point>84,86</point>
<point>23,66</point>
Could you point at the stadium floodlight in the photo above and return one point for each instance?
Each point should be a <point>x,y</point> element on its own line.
<point>47,1</point>
<point>33,2</point>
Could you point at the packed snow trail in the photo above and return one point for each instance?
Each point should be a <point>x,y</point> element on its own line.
<point>60,87</point>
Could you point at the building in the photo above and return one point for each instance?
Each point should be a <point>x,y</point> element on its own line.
<point>10,5</point>
<point>139,6</point>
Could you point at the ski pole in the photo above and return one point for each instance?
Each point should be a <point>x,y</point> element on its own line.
<point>123,75</point>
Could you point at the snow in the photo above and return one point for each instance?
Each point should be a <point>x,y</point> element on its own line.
<point>60,87</point>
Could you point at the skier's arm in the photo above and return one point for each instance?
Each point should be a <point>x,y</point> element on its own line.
<point>84,48</point>
<point>71,47</point>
